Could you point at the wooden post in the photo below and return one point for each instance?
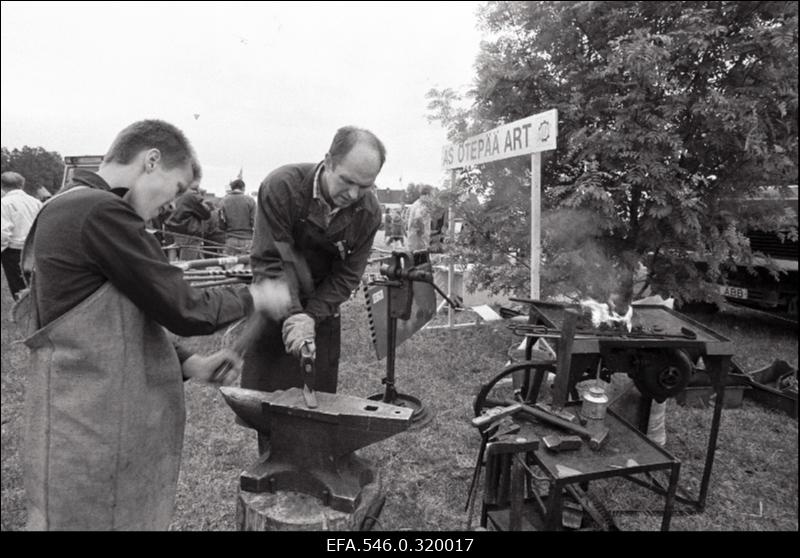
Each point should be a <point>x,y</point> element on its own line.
<point>451,233</point>
<point>536,221</point>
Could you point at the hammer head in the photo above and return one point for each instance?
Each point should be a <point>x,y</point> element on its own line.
<point>599,434</point>
<point>557,443</point>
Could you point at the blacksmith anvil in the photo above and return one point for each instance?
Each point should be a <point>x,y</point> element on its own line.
<point>312,450</point>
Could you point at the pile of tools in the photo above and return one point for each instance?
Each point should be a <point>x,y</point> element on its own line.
<point>214,272</point>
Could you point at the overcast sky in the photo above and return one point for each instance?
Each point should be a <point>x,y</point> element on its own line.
<point>253,85</point>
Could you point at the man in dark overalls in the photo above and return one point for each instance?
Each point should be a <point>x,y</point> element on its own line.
<point>315,224</point>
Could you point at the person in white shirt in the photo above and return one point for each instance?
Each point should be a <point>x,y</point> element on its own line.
<point>419,220</point>
<point>18,212</point>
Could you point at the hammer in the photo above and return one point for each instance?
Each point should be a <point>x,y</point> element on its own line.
<point>252,329</point>
<point>558,443</point>
<point>596,437</point>
<point>307,369</point>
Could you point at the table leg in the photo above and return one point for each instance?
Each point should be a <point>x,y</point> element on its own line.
<point>717,367</point>
<point>670,497</point>
<point>516,495</point>
<point>644,407</point>
<point>553,519</point>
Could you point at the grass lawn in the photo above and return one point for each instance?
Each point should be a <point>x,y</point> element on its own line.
<point>426,472</point>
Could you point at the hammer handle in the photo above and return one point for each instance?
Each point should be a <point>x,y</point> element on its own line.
<point>482,422</point>
<point>556,421</point>
<point>252,329</point>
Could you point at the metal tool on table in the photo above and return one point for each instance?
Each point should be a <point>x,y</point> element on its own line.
<point>557,443</point>
<point>596,437</point>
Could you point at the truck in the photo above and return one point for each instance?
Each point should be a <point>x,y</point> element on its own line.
<point>72,162</point>
<point>769,281</point>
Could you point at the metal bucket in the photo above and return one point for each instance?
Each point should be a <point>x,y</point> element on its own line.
<point>595,402</point>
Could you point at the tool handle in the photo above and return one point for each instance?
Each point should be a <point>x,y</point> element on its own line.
<point>484,421</point>
<point>252,329</point>
<point>556,421</point>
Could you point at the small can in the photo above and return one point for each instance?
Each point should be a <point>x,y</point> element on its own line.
<point>594,404</point>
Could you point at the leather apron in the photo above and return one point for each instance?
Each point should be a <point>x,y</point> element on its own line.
<point>104,419</point>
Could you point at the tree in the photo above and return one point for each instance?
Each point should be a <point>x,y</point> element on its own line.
<point>665,110</point>
<point>41,168</point>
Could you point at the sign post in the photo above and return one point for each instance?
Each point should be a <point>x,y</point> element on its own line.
<point>530,135</point>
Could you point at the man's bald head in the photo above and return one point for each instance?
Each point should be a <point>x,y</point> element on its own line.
<point>348,137</point>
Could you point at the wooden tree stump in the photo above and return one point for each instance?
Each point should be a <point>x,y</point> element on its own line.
<point>294,511</point>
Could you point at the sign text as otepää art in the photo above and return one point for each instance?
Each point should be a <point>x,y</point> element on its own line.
<point>528,135</point>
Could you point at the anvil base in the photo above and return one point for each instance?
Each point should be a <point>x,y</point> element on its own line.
<point>337,484</point>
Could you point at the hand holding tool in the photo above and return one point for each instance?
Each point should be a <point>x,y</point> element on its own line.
<point>252,329</point>
<point>297,330</point>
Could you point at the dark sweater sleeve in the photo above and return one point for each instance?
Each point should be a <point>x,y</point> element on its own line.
<point>344,277</point>
<point>131,258</point>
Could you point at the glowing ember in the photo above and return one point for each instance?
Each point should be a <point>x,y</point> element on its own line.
<point>602,314</point>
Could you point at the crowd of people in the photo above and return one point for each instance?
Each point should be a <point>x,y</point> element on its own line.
<point>419,226</point>
<point>193,227</point>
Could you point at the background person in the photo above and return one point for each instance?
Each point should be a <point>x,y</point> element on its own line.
<point>18,210</point>
<point>419,220</point>
<point>396,232</point>
<point>213,235</point>
<point>188,221</point>
<point>238,215</point>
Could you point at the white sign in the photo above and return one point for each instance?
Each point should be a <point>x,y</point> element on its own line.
<point>529,135</point>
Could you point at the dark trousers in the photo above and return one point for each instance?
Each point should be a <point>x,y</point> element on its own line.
<point>267,367</point>
<point>13,271</point>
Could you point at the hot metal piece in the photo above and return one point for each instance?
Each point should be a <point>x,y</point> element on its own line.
<point>312,449</point>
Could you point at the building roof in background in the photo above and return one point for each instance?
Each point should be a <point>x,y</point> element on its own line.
<point>387,195</point>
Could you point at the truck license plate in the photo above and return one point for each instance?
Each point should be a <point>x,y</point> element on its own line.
<point>733,292</point>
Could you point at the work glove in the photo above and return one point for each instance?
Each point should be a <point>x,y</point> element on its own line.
<point>298,330</point>
<point>272,297</point>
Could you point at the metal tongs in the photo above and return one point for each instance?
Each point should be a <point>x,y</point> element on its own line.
<point>307,369</point>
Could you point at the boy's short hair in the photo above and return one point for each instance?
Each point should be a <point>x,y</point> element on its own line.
<point>148,134</point>
<point>237,184</point>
